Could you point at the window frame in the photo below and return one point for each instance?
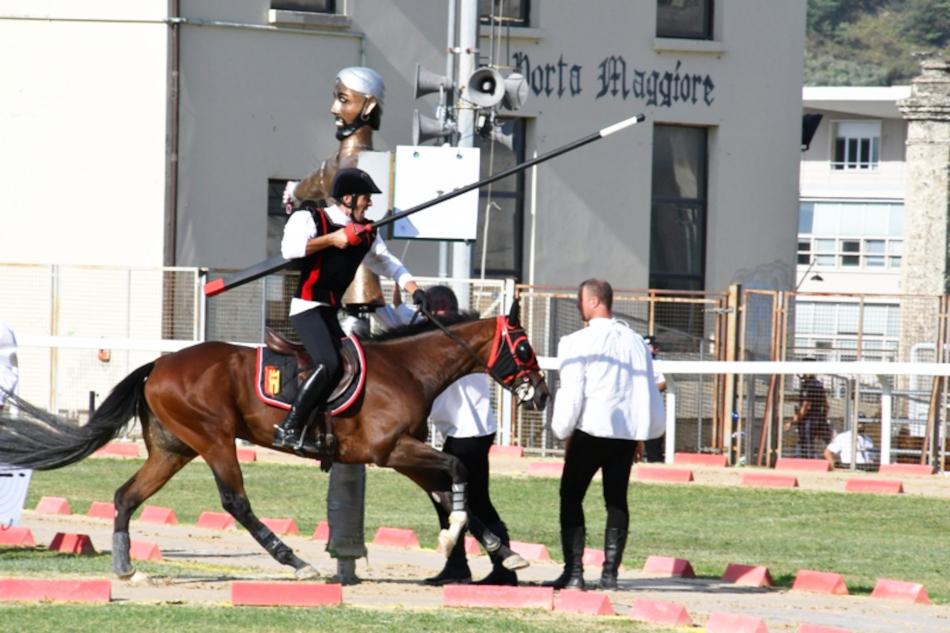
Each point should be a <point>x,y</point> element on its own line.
<point>523,20</point>
<point>852,148</point>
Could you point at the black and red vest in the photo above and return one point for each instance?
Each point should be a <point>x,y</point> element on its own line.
<point>325,275</point>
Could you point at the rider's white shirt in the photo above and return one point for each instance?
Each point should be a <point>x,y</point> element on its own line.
<point>464,408</point>
<point>607,386</point>
<point>300,228</point>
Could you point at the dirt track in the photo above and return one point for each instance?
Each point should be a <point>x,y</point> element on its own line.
<point>392,576</point>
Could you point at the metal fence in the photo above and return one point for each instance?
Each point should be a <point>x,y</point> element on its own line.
<point>83,328</point>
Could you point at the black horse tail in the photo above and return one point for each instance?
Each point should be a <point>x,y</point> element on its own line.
<point>39,440</point>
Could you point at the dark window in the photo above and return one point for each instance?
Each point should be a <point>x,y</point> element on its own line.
<point>504,12</point>
<point>687,19</point>
<point>503,258</point>
<point>678,216</point>
<point>276,215</point>
<point>307,6</point>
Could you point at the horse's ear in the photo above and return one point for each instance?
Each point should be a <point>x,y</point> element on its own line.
<point>514,314</point>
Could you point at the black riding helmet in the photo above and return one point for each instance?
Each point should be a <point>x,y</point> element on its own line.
<point>352,181</point>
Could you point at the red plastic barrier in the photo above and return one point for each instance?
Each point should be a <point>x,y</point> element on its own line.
<point>589,602</point>
<point>799,463</point>
<point>900,590</point>
<point>322,532</point>
<point>101,510</point>
<point>79,544</point>
<point>216,520</point>
<point>874,486</point>
<point>54,505</point>
<point>660,612</point>
<point>593,557</point>
<point>671,475</point>
<point>285,594</point>
<point>505,451</point>
<point>906,469</point>
<point>546,469</point>
<point>769,481</point>
<point>159,515</point>
<point>498,596</point>
<point>145,550</point>
<point>720,622</point>
<point>28,590</point>
<point>396,537</point>
<point>281,526</point>
<point>819,582</point>
<point>669,566</point>
<point>530,551</point>
<point>246,455</point>
<point>16,536</point>
<point>747,575</point>
<point>819,628</point>
<point>700,459</point>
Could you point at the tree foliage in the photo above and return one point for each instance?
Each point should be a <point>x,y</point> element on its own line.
<point>873,42</point>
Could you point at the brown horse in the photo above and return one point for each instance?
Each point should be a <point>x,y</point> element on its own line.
<point>199,400</point>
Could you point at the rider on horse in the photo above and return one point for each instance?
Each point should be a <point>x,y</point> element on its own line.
<point>330,244</point>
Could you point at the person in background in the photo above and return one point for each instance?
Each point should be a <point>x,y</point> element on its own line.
<point>9,368</point>
<point>607,401</point>
<point>841,447</point>
<point>811,417</point>
<point>463,415</point>
<point>654,450</point>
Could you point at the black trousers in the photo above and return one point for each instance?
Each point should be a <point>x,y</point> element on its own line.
<point>586,454</point>
<point>320,332</point>
<point>473,453</point>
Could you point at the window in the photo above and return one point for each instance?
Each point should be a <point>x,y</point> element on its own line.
<point>504,12</point>
<point>835,326</point>
<point>304,6</point>
<point>678,215</point>
<point>857,145</point>
<point>686,19</point>
<point>852,235</point>
<point>505,217</point>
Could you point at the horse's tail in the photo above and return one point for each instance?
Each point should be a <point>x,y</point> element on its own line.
<point>39,440</point>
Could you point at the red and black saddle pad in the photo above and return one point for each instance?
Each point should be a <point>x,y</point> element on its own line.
<point>276,377</point>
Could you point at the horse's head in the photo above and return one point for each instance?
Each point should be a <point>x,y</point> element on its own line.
<point>513,363</point>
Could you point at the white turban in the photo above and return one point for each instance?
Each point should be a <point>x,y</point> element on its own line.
<point>364,80</point>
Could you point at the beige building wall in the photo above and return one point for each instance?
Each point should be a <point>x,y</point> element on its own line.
<point>254,105</point>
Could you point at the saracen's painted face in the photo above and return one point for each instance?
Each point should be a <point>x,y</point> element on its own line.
<point>347,105</point>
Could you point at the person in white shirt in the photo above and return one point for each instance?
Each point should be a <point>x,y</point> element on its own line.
<point>654,451</point>
<point>9,369</point>
<point>607,401</point>
<point>841,446</point>
<point>463,415</point>
<point>330,244</point>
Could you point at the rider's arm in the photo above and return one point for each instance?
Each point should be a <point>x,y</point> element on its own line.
<point>301,237</point>
<point>570,395</point>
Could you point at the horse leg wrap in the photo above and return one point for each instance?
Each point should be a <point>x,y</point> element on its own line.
<point>448,538</point>
<point>121,564</point>
<point>458,497</point>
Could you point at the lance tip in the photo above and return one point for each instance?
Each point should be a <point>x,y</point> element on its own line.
<point>616,127</point>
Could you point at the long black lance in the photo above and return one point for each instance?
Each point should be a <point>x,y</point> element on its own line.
<point>274,264</point>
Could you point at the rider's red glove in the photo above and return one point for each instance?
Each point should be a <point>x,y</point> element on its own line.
<point>355,231</point>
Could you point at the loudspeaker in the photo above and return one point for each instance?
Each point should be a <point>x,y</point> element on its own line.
<point>485,88</point>
<point>425,128</point>
<point>516,91</point>
<point>427,81</point>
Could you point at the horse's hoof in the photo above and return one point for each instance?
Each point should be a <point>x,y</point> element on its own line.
<point>306,573</point>
<point>514,562</point>
<point>137,578</point>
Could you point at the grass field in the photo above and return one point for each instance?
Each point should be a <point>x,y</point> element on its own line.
<point>863,537</point>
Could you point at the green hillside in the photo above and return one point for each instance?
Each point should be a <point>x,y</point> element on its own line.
<point>873,42</point>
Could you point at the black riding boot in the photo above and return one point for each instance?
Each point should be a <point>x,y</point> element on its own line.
<point>499,574</point>
<point>615,539</point>
<point>456,571</point>
<point>291,433</point>
<point>572,542</point>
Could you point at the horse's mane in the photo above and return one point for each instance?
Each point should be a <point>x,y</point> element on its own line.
<point>424,325</point>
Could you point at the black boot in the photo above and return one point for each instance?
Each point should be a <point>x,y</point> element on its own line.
<point>572,542</point>
<point>291,433</point>
<point>615,539</point>
<point>499,575</point>
<point>456,571</point>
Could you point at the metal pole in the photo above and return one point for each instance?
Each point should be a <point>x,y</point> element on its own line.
<point>465,118</point>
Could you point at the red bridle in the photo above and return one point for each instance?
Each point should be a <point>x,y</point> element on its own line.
<point>512,360</point>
